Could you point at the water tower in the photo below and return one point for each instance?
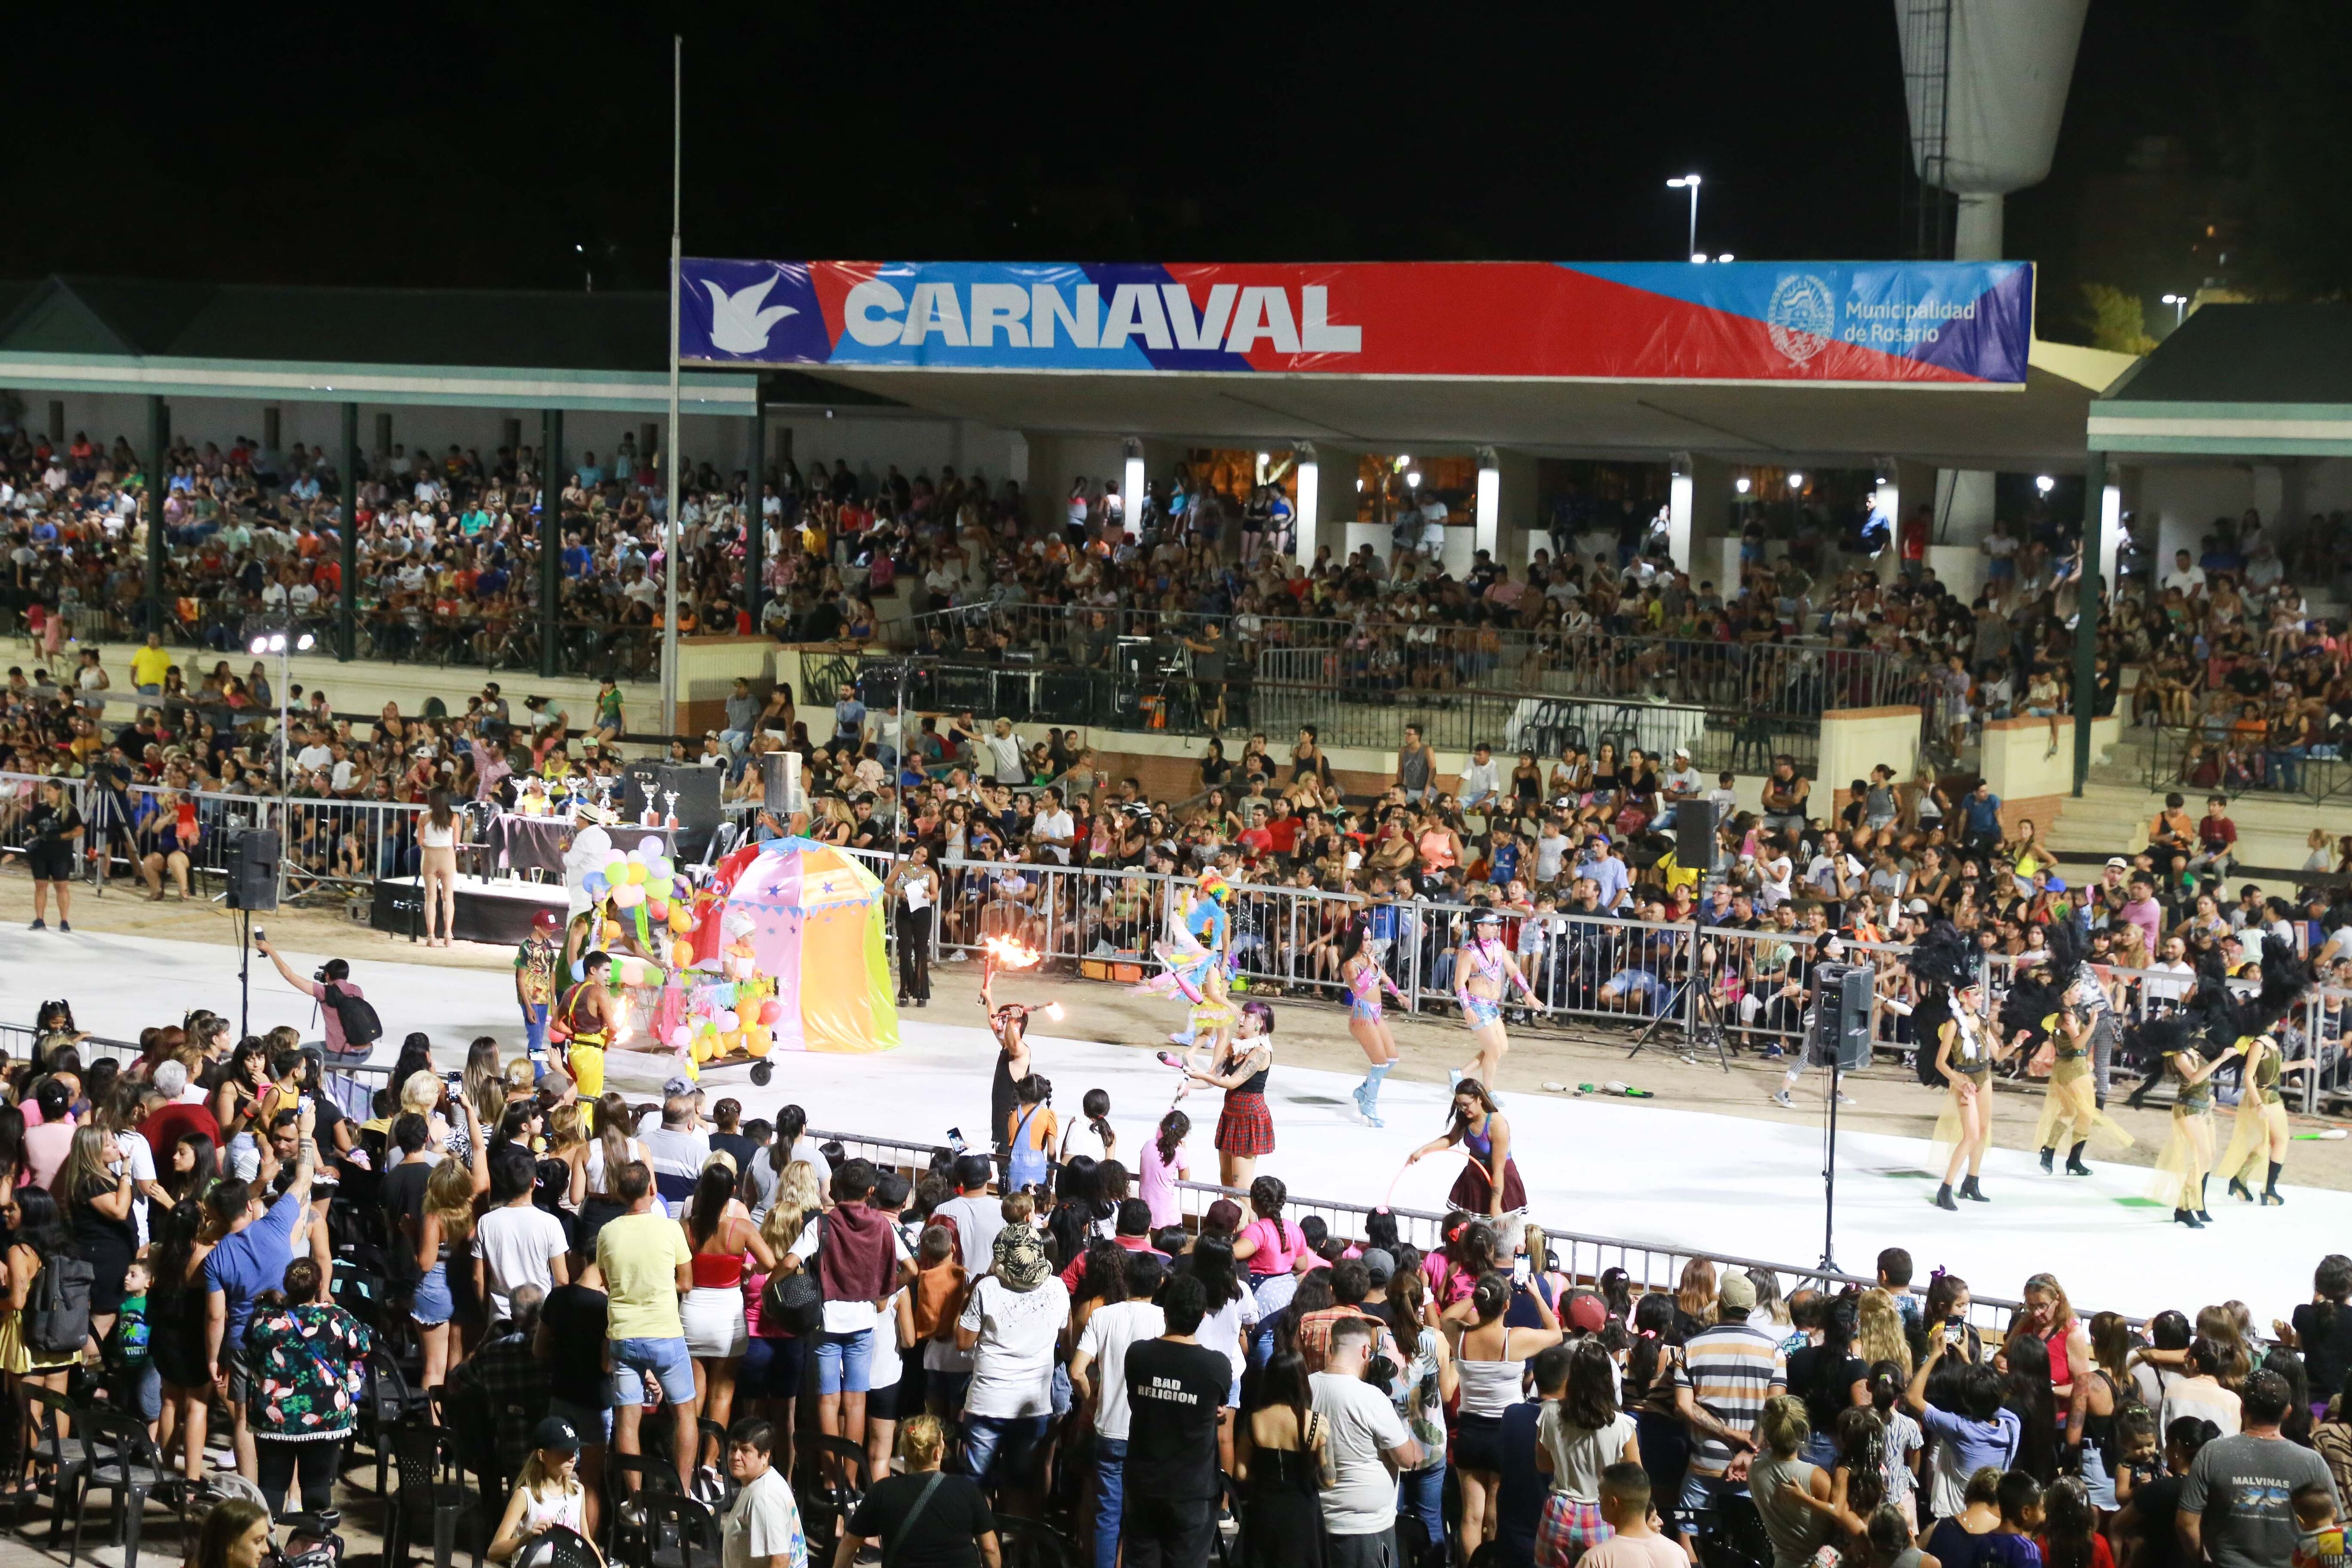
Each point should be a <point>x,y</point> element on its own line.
<point>1984,82</point>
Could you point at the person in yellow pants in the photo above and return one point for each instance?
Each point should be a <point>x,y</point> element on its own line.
<point>589,1017</point>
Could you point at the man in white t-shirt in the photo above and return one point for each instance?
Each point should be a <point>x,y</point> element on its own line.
<point>680,1148</point>
<point>976,1213</point>
<point>1055,828</point>
<point>1012,1323</point>
<point>1005,764</point>
<point>1368,1445</point>
<point>762,1528</point>
<point>1682,781</point>
<point>516,1243</point>
<point>1098,1372</point>
<point>2185,575</point>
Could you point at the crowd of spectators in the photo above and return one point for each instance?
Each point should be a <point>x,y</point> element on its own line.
<point>624,1314</point>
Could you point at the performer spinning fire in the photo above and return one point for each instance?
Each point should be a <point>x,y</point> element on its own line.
<point>1010,1023</point>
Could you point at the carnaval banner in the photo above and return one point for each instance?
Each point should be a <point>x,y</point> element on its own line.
<point>1867,323</point>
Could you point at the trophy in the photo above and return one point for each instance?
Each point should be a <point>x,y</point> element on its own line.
<point>669,800</point>
<point>648,817</point>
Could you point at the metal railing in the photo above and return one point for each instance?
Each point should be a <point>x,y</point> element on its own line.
<point>1793,679</point>
<point>2222,763</point>
<point>1583,1256</point>
<point>1511,721</point>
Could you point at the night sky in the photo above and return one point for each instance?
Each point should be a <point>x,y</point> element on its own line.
<point>448,145</point>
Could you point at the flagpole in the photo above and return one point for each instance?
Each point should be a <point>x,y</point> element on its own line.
<point>670,533</point>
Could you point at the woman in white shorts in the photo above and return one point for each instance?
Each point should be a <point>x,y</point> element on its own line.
<point>718,1231</point>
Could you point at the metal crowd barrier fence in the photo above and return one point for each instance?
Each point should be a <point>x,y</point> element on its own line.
<point>1787,678</point>
<point>1583,1258</point>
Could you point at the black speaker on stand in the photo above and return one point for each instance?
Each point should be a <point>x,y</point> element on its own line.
<point>252,865</point>
<point>1693,823</point>
<point>1838,1037</point>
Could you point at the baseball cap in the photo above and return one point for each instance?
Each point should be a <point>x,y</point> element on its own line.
<point>1381,1264</point>
<point>546,920</point>
<point>1916,907</point>
<point>1224,1214</point>
<point>2118,863</point>
<point>1737,1292</point>
<point>555,1432</point>
<point>1586,1312</point>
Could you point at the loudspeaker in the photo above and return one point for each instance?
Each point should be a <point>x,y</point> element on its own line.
<point>1694,824</point>
<point>253,868</point>
<point>781,774</point>
<point>1841,994</point>
<point>698,804</point>
<point>1066,696</point>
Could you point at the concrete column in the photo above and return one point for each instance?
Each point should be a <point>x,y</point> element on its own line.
<point>755,524</point>
<point>2270,493</point>
<point>1976,230</point>
<point>2090,602</point>
<point>272,427</point>
<point>1522,526</point>
<point>1306,511</point>
<point>1714,520</point>
<point>57,421</point>
<point>1486,506</point>
<point>159,485</point>
<point>551,542</point>
<point>1681,492</point>
<point>384,435</point>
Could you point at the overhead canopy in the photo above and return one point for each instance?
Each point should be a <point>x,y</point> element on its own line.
<point>401,346</point>
<point>2237,380</point>
<point>2040,427</point>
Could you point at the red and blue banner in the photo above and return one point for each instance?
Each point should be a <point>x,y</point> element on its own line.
<point>1834,323</point>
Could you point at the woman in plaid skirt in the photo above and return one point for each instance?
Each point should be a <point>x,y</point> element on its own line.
<point>1577,1437</point>
<point>1245,1129</point>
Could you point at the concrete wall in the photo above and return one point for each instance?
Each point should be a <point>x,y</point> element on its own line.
<point>1856,740</point>
<point>2016,758</point>
<point>2184,499</point>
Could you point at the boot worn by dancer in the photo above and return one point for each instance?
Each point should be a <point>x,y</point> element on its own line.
<point>2271,1198</point>
<point>1970,1190</point>
<point>2188,1219</point>
<point>2074,1166</point>
<point>2047,1155</point>
<point>2239,1191</point>
<point>1368,1094</point>
<point>1944,1197</point>
<point>2202,1213</point>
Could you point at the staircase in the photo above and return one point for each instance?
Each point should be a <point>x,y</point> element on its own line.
<point>2116,806</point>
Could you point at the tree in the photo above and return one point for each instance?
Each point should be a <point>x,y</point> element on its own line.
<point>2116,319</point>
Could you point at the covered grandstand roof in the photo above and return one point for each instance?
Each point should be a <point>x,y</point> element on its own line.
<point>2237,380</point>
<point>607,351</point>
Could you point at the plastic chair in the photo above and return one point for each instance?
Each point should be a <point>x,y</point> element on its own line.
<point>677,1527</point>
<point>67,1456</point>
<point>426,1459</point>
<point>632,1484</point>
<point>126,1465</point>
<point>389,1403</point>
<point>557,1547</point>
<point>830,1483</point>
<point>1030,1543</point>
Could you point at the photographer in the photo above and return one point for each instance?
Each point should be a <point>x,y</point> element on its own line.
<point>334,973</point>
<point>51,827</point>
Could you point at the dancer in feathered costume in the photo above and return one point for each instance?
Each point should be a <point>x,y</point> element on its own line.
<point>1957,1048</point>
<point>2260,1128</point>
<point>2078,1008</point>
<point>2189,1047</point>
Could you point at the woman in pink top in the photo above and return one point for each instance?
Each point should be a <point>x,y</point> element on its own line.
<point>1161,1167</point>
<point>1272,1246</point>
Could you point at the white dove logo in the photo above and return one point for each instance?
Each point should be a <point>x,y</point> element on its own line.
<point>738,325</point>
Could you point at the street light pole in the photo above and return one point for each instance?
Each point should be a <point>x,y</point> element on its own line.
<point>669,516</point>
<point>1689,183</point>
<point>2180,304</point>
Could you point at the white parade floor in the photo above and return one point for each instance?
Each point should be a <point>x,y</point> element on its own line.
<point>1678,1179</point>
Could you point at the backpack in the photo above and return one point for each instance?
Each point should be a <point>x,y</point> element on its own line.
<point>793,1303</point>
<point>56,1308</point>
<point>357,1014</point>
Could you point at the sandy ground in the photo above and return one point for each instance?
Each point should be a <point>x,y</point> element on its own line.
<point>1887,1100</point>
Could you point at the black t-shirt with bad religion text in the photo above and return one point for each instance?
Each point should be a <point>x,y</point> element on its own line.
<point>1173,1394</point>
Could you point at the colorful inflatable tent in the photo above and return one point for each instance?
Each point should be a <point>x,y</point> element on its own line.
<point>817,925</point>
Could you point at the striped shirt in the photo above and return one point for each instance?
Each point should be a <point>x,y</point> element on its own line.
<point>1731,1369</point>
